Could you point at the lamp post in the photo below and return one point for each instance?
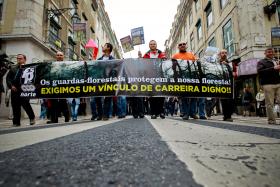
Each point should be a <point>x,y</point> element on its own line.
<point>58,12</point>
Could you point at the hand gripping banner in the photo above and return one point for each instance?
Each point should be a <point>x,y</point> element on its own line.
<point>130,77</point>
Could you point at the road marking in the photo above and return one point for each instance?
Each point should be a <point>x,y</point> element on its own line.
<point>20,139</point>
<point>221,157</point>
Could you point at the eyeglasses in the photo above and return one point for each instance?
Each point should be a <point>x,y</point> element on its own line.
<point>182,44</point>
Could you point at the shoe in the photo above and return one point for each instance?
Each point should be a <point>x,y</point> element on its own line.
<point>99,118</point>
<point>16,125</point>
<point>93,118</point>
<point>74,119</point>
<point>228,119</point>
<point>271,122</point>
<point>135,116</point>
<point>194,116</point>
<point>153,117</point>
<point>185,117</point>
<point>48,122</point>
<point>105,118</point>
<point>141,115</point>
<point>32,122</point>
<point>162,116</point>
<point>203,117</point>
<point>66,120</point>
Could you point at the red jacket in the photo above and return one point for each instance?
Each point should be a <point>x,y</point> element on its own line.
<point>160,54</point>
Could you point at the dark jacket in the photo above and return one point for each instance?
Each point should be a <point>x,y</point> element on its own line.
<point>110,57</point>
<point>3,71</point>
<point>13,77</point>
<point>267,73</point>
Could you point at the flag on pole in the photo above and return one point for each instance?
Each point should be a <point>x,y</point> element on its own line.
<point>92,44</point>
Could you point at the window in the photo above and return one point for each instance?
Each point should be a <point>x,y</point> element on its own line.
<point>223,3</point>
<point>190,18</point>
<point>72,5</point>
<point>199,29</point>
<point>70,34</point>
<point>83,50</point>
<point>212,42</point>
<point>209,14</point>
<point>192,42</point>
<point>84,16</point>
<point>228,38</point>
<point>197,5</point>
<point>54,29</point>
<point>92,30</point>
<point>1,8</point>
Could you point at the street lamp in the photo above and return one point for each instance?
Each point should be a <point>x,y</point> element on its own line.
<point>52,13</point>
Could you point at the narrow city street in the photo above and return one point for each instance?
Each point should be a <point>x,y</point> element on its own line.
<point>142,152</point>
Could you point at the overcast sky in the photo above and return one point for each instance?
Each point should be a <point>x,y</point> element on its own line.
<point>156,16</point>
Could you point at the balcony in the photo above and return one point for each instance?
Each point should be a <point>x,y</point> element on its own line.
<point>55,42</point>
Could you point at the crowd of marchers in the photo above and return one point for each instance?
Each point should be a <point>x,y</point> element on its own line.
<point>104,108</point>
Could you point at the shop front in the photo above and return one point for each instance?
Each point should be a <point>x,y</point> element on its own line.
<point>247,77</point>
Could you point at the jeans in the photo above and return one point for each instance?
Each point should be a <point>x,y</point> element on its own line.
<point>121,103</point>
<point>107,107</point>
<point>201,107</point>
<point>189,106</point>
<point>43,113</point>
<point>74,110</point>
<point>96,106</point>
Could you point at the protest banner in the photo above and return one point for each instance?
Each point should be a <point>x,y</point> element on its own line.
<point>126,44</point>
<point>130,77</point>
<point>137,35</point>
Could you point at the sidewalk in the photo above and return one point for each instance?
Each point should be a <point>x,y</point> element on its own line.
<point>6,123</point>
<point>254,120</point>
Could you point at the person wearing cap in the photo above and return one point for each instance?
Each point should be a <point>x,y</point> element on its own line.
<point>189,105</point>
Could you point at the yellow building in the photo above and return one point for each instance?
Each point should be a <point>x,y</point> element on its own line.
<point>40,28</point>
<point>244,28</point>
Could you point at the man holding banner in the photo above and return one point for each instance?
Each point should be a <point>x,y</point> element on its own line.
<point>58,105</point>
<point>227,104</point>
<point>156,103</point>
<point>14,83</point>
<point>188,104</point>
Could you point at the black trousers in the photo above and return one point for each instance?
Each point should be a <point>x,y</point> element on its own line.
<point>137,105</point>
<point>228,107</point>
<point>58,106</point>
<point>17,102</point>
<point>156,105</point>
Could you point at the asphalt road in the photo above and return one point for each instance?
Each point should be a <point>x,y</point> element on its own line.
<point>125,153</point>
<point>142,152</point>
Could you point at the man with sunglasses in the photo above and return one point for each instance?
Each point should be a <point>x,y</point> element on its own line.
<point>189,105</point>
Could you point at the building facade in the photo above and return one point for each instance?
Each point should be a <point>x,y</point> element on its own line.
<point>40,28</point>
<point>244,28</point>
